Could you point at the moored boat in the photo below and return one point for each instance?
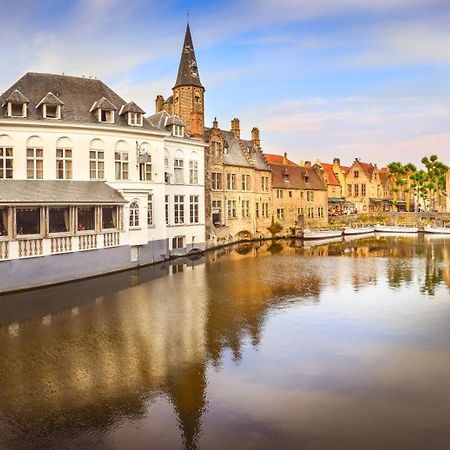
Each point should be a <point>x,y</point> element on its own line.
<point>436,230</point>
<point>396,229</point>
<point>321,234</point>
<point>358,230</point>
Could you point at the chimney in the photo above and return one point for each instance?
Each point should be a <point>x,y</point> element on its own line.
<point>235,128</point>
<point>159,102</point>
<point>215,123</point>
<point>285,160</point>
<point>336,162</point>
<point>255,137</point>
<point>308,164</point>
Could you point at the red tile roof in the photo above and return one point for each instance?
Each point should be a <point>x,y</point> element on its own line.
<point>331,177</point>
<point>278,159</point>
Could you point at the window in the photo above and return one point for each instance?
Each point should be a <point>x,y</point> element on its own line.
<point>179,209</point>
<point>231,181</point>
<point>96,164</point>
<point>166,207</point>
<point>58,219</point>
<point>3,222</point>
<point>265,210</point>
<point>311,213</point>
<point>216,149</point>
<point>28,221</point>
<point>320,212</point>
<point>135,119</point>
<point>17,109</point>
<point>290,194</point>
<point>178,167</point>
<point>216,212</point>
<point>355,190</point>
<point>286,178</point>
<point>349,190</point>
<point>245,182</point>
<point>35,163</point>
<point>245,208</point>
<point>193,172</point>
<point>121,165</point>
<point>280,213</point>
<point>216,182</point>
<point>231,209</point>
<point>145,170</point>
<point>363,189</point>
<point>6,162</point>
<point>193,208</point>
<point>109,217</point>
<point>63,163</point>
<point>279,193</point>
<point>356,173</point>
<point>257,210</point>
<point>306,179</point>
<point>150,211</point>
<point>265,184</point>
<point>178,242</point>
<point>51,111</point>
<point>310,196</point>
<point>105,116</point>
<point>86,218</point>
<point>178,130</point>
<point>134,215</point>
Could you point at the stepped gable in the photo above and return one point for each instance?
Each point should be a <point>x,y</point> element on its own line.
<point>77,94</point>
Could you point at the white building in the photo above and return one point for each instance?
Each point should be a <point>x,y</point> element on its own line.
<point>88,185</point>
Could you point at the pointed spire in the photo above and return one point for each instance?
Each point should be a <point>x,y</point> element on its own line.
<point>188,71</point>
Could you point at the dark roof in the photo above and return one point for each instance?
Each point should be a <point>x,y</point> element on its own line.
<point>50,99</point>
<point>78,95</point>
<point>188,74</point>
<point>159,119</point>
<point>16,97</point>
<point>58,192</point>
<point>175,120</point>
<point>104,104</point>
<point>296,177</point>
<point>131,107</point>
<point>240,152</point>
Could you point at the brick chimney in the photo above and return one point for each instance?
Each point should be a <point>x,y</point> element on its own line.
<point>336,162</point>
<point>308,164</point>
<point>235,128</point>
<point>159,103</point>
<point>255,137</point>
<point>285,160</point>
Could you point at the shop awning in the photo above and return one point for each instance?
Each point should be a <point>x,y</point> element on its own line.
<point>336,200</point>
<point>45,192</point>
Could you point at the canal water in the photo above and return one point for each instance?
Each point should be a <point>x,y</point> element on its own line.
<point>277,345</point>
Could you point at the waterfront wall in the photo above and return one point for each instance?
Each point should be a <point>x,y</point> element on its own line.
<point>392,218</point>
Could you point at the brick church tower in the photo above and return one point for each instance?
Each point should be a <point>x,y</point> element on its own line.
<point>188,97</point>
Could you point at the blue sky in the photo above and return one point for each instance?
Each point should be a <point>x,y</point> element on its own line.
<point>320,78</point>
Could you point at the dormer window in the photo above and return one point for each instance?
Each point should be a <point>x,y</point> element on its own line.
<point>105,116</point>
<point>51,106</point>
<point>104,110</point>
<point>16,104</point>
<point>133,114</point>
<point>135,119</point>
<point>178,130</point>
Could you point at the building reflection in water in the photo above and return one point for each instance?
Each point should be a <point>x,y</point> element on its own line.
<point>91,355</point>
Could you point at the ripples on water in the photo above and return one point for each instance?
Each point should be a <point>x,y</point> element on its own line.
<point>275,345</point>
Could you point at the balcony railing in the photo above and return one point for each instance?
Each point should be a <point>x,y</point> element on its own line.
<point>4,249</point>
<point>62,244</point>
<point>31,247</point>
<point>111,239</point>
<point>87,241</point>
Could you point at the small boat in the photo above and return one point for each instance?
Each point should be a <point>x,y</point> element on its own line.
<point>311,243</point>
<point>321,234</point>
<point>358,230</point>
<point>436,230</point>
<point>396,229</point>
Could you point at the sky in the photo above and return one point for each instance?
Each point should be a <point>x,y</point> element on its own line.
<point>319,78</point>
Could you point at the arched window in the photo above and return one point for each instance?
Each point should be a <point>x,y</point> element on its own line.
<point>134,214</point>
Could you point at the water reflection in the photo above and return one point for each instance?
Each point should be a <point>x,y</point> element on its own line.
<point>96,363</point>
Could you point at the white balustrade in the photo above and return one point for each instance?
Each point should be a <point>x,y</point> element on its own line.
<point>111,239</point>
<point>4,249</point>
<point>30,247</point>
<point>61,244</point>
<point>87,241</point>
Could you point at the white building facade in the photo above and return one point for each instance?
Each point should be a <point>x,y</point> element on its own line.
<point>88,185</point>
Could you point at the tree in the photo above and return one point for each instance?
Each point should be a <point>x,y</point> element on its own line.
<point>274,228</point>
<point>435,180</point>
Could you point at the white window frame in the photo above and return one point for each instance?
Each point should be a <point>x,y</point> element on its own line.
<point>10,109</point>
<point>66,161</point>
<point>34,159</point>
<point>150,218</point>
<point>231,181</point>
<point>121,165</point>
<point>194,208</point>
<point>231,209</point>
<point>134,215</point>
<point>45,112</point>
<point>135,119</point>
<point>178,209</point>
<point>4,159</point>
<point>178,130</point>
<point>96,161</point>
<point>109,116</point>
<point>178,170</point>
<point>245,182</point>
<point>216,181</point>
<point>193,172</point>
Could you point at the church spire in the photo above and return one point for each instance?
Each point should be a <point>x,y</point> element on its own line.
<point>188,71</point>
